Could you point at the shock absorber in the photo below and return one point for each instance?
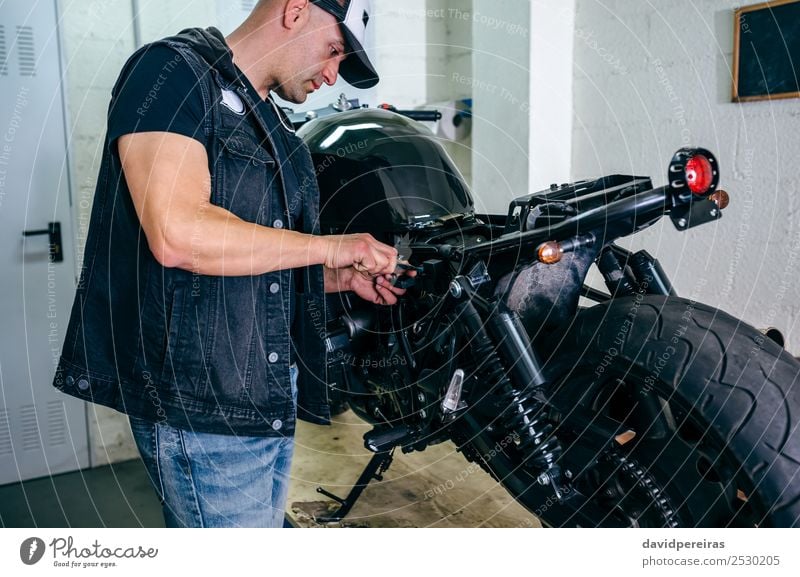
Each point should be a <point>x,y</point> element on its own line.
<point>523,414</point>
<point>541,447</point>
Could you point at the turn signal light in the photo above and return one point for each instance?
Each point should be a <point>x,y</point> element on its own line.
<point>549,252</point>
<point>721,199</point>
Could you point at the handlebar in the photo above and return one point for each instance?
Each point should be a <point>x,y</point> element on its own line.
<point>419,115</point>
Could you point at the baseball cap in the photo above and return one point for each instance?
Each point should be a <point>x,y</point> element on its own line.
<point>353,17</point>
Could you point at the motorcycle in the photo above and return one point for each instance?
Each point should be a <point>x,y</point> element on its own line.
<point>624,407</point>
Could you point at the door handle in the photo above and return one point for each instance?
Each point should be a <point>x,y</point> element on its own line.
<point>53,231</point>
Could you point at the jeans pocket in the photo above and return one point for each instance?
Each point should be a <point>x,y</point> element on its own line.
<point>145,434</point>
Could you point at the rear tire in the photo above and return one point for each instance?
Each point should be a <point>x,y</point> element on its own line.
<point>713,403</point>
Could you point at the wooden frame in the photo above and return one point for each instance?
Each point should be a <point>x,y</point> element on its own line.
<point>766,13</point>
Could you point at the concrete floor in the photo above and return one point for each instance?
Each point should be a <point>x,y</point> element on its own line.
<point>435,488</point>
<point>118,495</point>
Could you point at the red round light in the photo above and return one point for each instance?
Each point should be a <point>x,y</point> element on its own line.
<point>699,174</point>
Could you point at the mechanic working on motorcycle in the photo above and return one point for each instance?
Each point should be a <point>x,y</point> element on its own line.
<point>199,328</point>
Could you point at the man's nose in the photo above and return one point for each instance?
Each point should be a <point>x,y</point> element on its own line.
<point>331,72</point>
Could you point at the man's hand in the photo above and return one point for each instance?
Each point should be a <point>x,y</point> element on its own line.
<point>361,252</point>
<point>377,289</point>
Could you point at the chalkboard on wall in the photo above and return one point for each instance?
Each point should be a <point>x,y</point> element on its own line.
<point>766,52</point>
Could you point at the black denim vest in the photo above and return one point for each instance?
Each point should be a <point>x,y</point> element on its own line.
<point>201,352</point>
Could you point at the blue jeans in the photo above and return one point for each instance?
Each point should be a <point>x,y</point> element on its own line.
<point>209,480</point>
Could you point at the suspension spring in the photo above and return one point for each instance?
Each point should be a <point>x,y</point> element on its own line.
<point>523,413</point>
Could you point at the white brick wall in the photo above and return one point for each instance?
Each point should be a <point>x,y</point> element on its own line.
<point>650,77</point>
<point>501,102</point>
<point>550,109</point>
<point>98,38</point>
<point>160,18</point>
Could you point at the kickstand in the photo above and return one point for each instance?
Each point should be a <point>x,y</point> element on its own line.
<point>377,465</point>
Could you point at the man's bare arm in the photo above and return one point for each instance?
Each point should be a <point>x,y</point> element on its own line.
<point>169,181</point>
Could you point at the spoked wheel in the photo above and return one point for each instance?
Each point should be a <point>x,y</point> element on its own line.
<point>702,411</point>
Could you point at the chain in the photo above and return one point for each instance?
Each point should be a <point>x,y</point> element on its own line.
<point>642,479</point>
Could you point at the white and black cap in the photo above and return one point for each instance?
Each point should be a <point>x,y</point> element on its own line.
<point>353,17</point>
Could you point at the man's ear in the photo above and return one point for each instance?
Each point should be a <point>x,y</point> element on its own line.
<point>296,13</point>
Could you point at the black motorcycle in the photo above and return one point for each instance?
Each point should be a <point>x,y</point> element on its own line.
<point>622,407</point>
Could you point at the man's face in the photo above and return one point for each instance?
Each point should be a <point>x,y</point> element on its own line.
<point>313,58</point>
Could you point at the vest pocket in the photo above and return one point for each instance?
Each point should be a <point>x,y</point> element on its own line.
<point>241,146</point>
<point>232,357</point>
<point>246,177</point>
<point>171,370</point>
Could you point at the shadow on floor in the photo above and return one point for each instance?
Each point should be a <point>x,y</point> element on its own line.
<point>114,496</point>
<point>117,495</point>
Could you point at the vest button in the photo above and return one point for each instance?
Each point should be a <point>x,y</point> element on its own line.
<point>70,380</point>
<point>274,288</point>
<point>83,384</point>
<point>277,424</point>
<point>278,223</point>
<point>273,357</point>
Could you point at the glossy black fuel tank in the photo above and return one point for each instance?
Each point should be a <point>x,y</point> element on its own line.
<point>380,171</point>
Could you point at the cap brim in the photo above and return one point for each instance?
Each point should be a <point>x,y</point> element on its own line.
<point>356,69</point>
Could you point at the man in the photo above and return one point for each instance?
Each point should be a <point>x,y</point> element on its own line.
<point>201,297</point>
